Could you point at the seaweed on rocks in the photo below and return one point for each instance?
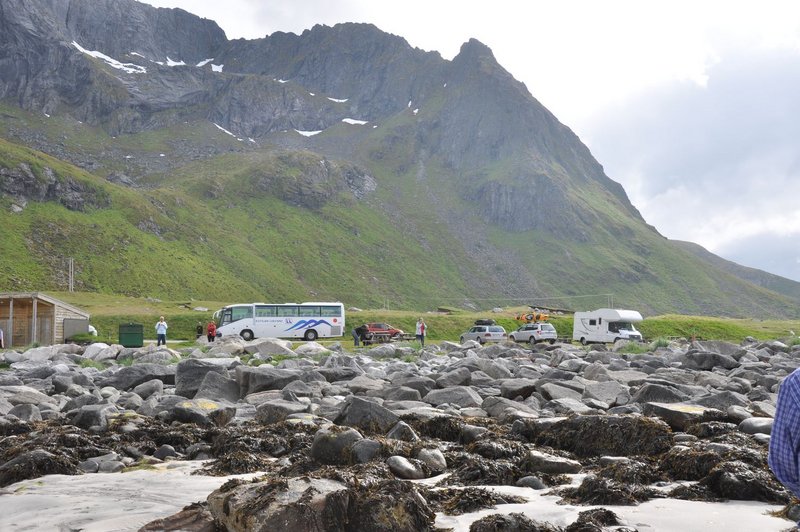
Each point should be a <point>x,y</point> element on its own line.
<point>480,471</point>
<point>497,449</point>
<point>34,464</point>
<point>710,429</point>
<point>683,463</point>
<point>358,475</point>
<point>632,472</point>
<point>446,428</point>
<point>236,463</point>
<point>596,435</point>
<point>595,490</point>
<point>593,520</point>
<point>388,506</point>
<point>452,501</point>
<point>693,492</point>
<point>514,522</point>
<point>740,481</point>
<point>195,517</point>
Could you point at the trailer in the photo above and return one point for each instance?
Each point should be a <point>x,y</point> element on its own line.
<point>606,325</point>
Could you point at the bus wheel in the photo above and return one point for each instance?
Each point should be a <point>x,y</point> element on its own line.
<point>310,335</point>
<point>246,335</point>
<point>583,341</point>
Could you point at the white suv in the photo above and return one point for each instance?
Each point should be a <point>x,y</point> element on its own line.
<point>485,333</point>
<point>534,332</point>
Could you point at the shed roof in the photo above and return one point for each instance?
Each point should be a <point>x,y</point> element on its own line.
<point>43,297</point>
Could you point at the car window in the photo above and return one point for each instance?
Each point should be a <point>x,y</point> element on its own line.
<point>548,327</point>
<point>496,329</point>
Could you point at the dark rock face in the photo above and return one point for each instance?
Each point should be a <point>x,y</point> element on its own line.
<point>22,183</point>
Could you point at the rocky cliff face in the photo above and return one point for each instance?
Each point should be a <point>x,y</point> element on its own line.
<point>470,112</point>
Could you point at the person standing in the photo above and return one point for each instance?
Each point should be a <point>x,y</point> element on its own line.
<point>199,330</point>
<point>784,442</point>
<point>422,330</point>
<point>2,340</point>
<point>161,332</point>
<point>211,329</point>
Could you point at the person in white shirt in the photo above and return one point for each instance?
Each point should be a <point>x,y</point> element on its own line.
<point>422,330</point>
<point>161,332</point>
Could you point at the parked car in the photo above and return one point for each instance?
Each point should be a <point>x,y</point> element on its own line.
<point>534,332</point>
<point>485,333</point>
<point>384,328</point>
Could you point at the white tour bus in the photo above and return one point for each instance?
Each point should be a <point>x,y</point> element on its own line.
<point>283,320</point>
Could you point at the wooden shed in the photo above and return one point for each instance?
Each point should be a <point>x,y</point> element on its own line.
<point>28,317</point>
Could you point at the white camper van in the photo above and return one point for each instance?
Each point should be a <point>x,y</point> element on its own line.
<point>606,325</point>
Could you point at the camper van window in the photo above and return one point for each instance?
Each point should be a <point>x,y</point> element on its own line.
<point>592,322</point>
<point>613,326</point>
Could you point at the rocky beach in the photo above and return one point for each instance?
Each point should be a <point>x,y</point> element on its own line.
<point>257,435</point>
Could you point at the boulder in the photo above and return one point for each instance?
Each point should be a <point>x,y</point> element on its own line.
<point>367,416</point>
<point>333,445</point>
<point>539,462</point>
<point>218,387</point>
<point>203,412</point>
<point>462,396</point>
<point>278,410</point>
<point>190,373</point>
<point>406,468</point>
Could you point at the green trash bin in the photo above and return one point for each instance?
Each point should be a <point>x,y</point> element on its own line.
<point>131,335</point>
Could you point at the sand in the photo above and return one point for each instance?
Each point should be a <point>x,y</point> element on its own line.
<point>106,502</point>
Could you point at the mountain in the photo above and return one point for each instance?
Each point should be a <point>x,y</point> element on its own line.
<point>340,163</point>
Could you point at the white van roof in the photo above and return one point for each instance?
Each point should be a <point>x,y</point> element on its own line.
<point>616,314</point>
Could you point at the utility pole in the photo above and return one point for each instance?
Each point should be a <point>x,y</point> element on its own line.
<point>71,274</point>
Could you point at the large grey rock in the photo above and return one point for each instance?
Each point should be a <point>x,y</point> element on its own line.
<point>363,384</point>
<point>552,390</point>
<point>190,373</point>
<point>218,387</point>
<point>756,425</point>
<point>94,416</point>
<point>26,412</point>
<point>704,360</point>
<point>462,396</point>
<point>19,395</point>
<point>505,409</point>
<point>367,416</point>
<point>278,410</point>
<point>539,462</point>
<point>513,388</point>
<point>128,377</point>
<point>658,393</point>
<point>203,412</point>
<point>406,468</point>
<point>677,415</point>
<point>722,400</point>
<point>610,392</point>
<point>457,377</point>
<point>258,379</point>
<point>146,389</point>
<point>333,444</point>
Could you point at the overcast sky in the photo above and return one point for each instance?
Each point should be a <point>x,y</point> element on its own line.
<point>691,106</point>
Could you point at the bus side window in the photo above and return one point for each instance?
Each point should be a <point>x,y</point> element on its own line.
<point>331,311</point>
<point>307,310</point>
<point>266,311</point>
<point>287,311</point>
